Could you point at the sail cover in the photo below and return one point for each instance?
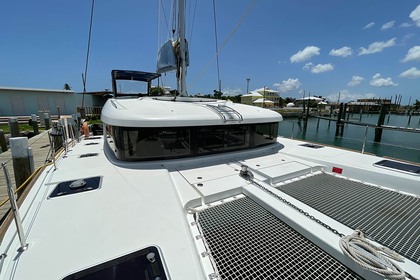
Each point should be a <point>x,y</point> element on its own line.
<point>166,58</point>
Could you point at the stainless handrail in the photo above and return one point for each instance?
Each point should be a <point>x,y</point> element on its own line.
<point>15,210</point>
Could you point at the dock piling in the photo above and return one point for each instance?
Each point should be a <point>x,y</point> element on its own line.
<point>381,119</point>
<point>35,124</point>
<point>47,121</point>
<point>338,124</point>
<point>3,143</point>
<point>21,160</point>
<point>14,127</point>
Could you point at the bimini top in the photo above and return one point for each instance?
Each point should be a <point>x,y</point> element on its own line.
<point>134,75</point>
<point>184,111</point>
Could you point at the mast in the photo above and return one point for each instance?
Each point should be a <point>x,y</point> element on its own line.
<point>182,88</point>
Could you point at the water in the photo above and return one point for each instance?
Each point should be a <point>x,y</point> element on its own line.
<point>394,144</point>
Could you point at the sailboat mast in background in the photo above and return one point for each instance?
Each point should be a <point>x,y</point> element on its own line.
<point>173,55</point>
<point>182,87</point>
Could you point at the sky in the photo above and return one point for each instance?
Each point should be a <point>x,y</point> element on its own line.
<point>355,49</point>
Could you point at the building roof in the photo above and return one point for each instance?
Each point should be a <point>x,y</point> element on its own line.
<point>263,100</point>
<point>310,98</point>
<point>252,93</point>
<point>266,90</point>
<point>36,89</point>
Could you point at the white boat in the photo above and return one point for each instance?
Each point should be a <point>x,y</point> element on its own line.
<point>189,188</point>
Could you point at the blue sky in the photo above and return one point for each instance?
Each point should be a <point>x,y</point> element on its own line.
<point>358,48</point>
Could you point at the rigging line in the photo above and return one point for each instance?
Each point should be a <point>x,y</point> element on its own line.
<point>250,6</point>
<point>87,54</point>
<point>162,7</point>
<point>217,47</point>
<point>174,17</point>
<point>192,23</point>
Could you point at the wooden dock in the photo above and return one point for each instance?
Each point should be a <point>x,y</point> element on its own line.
<point>40,145</point>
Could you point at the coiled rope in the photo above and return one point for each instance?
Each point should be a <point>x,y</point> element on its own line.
<point>371,257</point>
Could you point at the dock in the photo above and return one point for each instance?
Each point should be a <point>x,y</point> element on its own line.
<point>40,145</point>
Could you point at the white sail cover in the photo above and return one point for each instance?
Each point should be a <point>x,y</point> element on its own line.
<point>166,60</point>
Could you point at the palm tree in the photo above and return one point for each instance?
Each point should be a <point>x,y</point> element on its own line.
<point>67,87</point>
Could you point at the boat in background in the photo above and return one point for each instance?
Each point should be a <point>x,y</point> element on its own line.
<point>192,188</point>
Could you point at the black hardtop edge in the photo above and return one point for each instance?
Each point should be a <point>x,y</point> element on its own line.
<point>134,75</point>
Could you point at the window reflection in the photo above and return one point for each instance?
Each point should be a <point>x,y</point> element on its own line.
<point>133,144</point>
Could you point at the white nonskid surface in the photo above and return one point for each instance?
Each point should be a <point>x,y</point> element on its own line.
<point>132,210</point>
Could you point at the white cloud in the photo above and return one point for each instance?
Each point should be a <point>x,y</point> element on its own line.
<point>231,92</point>
<point>343,52</point>
<point>405,24</point>
<point>377,47</point>
<point>388,25</point>
<point>415,15</point>
<point>355,81</point>
<point>308,66</point>
<point>413,54</point>
<point>369,25</point>
<point>412,73</point>
<point>287,85</point>
<point>305,54</point>
<point>377,81</point>
<point>346,96</point>
<point>407,37</point>
<point>319,68</point>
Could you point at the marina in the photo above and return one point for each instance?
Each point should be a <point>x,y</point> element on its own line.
<point>396,143</point>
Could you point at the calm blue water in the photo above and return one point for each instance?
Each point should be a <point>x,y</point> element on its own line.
<point>396,144</point>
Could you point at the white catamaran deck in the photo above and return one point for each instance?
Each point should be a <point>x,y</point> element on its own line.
<point>169,204</point>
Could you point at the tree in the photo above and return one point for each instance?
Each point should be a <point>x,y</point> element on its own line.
<point>417,104</point>
<point>67,87</point>
<point>156,91</point>
<point>217,94</point>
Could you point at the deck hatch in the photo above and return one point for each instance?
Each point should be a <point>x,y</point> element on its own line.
<point>76,186</point>
<point>313,146</point>
<point>248,242</point>
<point>388,217</point>
<point>89,155</point>
<point>400,166</point>
<point>91,143</point>
<point>145,264</point>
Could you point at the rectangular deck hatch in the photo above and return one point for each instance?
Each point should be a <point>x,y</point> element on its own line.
<point>76,186</point>
<point>313,146</point>
<point>88,155</point>
<point>399,166</point>
<point>145,264</point>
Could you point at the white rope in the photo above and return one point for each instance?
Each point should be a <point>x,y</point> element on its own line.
<point>372,257</point>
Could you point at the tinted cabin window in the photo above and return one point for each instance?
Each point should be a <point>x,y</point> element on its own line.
<point>144,143</point>
<point>265,134</point>
<point>153,143</point>
<point>216,139</point>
